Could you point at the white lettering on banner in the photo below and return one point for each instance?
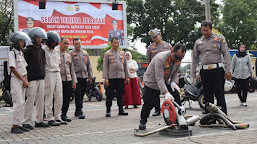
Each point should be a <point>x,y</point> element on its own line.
<point>71,20</point>
<point>53,19</point>
<point>90,20</point>
<point>77,27</point>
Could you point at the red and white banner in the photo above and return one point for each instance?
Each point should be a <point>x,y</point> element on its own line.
<point>93,23</point>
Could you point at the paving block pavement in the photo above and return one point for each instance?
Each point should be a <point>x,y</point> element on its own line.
<point>97,129</point>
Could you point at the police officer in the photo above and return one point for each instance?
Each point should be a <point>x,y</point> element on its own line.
<point>115,70</point>
<point>115,32</point>
<point>163,67</point>
<point>19,81</point>
<point>83,70</point>
<point>157,46</point>
<point>35,57</point>
<point>68,76</point>
<point>53,82</point>
<point>210,47</point>
<point>30,24</point>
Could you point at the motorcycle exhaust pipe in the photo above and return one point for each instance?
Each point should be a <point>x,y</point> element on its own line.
<point>192,120</point>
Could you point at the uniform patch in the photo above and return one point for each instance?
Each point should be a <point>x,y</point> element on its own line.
<point>74,53</point>
<point>215,39</point>
<point>111,60</point>
<point>214,45</point>
<point>75,57</point>
<point>110,53</point>
<point>153,46</point>
<point>223,40</point>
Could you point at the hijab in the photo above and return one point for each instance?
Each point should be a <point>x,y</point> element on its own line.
<point>239,53</point>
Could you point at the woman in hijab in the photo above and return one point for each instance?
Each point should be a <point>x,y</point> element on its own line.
<point>242,71</point>
<point>131,94</point>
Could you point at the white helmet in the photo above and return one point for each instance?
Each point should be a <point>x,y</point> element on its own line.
<point>228,85</point>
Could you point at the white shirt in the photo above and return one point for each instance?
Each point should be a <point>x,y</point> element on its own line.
<point>132,64</point>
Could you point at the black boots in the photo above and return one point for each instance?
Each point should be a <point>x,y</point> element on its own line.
<point>142,126</point>
<point>108,112</point>
<point>121,111</point>
<point>156,113</point>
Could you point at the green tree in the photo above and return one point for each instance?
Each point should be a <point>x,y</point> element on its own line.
<point>240,22</point>
<point>176,19</point>
<point>6,21</point>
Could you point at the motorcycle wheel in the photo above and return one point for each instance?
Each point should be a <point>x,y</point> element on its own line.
<point>201,101</point>
<point>7,97</point>
<point>98,93</point>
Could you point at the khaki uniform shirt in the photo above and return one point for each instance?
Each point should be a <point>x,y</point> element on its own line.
<point>67,68</point>
<point>153,49</point>
<point>115,65</point>
<point>82,65</point>
<point>18,63</point>
<point>210,50</point>
<point>52,59</point>
<point>161,69</point>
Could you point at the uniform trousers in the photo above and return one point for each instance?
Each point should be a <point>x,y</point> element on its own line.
<point>115,88</point>
<point>213,83</point>
<point>67,94</point>
<point>150,96</point>
<point>242,86</point>
<point>35,95</point>
<point>18,99</point>
<point>80,91</point>
<point>53,92</point>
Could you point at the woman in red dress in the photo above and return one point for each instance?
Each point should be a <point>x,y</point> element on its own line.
<point>131,94</point>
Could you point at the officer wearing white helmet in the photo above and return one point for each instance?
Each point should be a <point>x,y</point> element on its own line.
<point>19,82</point>
<point>53,81</point>
<point>35,57</point>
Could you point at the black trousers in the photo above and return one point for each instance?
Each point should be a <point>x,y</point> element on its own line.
<point>242,86</point>
<point>115,89</point>
<point>150,96</point>
<point>67,94</point>
<point>213,83</point>
<point>80,91</point>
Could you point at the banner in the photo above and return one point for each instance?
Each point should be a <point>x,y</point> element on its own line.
<point>94,23</point>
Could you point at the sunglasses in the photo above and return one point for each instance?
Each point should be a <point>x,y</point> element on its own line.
<point>177,57</point>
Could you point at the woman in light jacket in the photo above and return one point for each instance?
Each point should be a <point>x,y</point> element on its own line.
<point>242,71</point>
<point>131,94</point>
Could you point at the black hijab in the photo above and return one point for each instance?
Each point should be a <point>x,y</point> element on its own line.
<point>239,53</point>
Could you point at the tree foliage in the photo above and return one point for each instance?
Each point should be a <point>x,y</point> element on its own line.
<point>6,21</point>
<point>240,22</point>
<point>176,19</point>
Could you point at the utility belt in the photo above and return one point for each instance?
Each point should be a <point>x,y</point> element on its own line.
<point>212,66</point>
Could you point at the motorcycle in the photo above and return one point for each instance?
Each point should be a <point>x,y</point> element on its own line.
<point>191,92</point>
<point>92,90</point>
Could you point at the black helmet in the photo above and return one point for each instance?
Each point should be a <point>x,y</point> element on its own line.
<point>52,36</point>
<point>16,36</point>
<point>37,32</point>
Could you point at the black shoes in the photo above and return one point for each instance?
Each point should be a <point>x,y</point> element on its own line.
<point>80,116</point>
<point>156,113</point>
<point>53,123</point>
<point>62,122</point>
<point>27,126</point>
<point>17,130</point>
<point>108,114</point>
<point>123,113</point>
<point>44,125</point>
<point>142,126</point>
<point>65,118</point>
